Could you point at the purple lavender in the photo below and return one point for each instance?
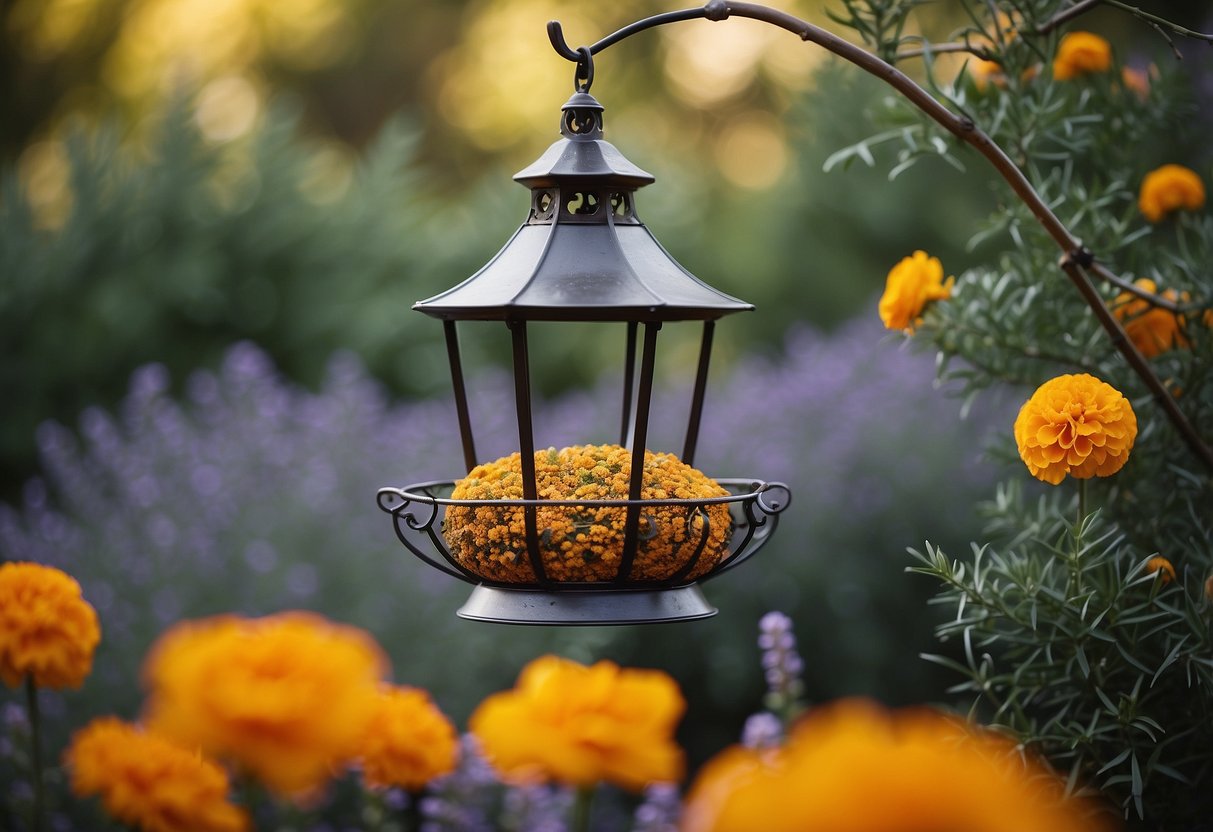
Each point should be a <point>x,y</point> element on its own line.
<point>540,808</point>
<point>762,730</point>
<point>780,659</point>
<point>660,810</point>
<point>466,798</point>
<point>253,495</point>
<point>781,663</point>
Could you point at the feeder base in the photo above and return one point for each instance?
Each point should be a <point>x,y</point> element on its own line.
<point>586,607</point>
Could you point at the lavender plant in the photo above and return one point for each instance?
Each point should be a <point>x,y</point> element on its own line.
<point>251,494</point>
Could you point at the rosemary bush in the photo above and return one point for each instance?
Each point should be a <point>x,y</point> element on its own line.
<point>1074,637</point>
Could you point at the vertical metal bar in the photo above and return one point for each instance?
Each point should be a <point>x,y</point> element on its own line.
<point>461,396</point>
<point>639,438</point>
<point>629,382</point>
<point>701,386</point>
<point>526,442</point>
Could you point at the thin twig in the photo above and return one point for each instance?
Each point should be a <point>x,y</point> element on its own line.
<point>1137,361</point>
<point>1107,276</point>
<point>1160,21</point>
<point>1065,16</point>
<point>940,48</point>
<point>965,129</point>
<point>1179,56</point>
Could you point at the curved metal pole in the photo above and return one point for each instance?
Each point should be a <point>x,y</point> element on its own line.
<point>1075,260</point>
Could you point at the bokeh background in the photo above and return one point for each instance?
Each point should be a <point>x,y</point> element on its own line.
<point>216,214</point>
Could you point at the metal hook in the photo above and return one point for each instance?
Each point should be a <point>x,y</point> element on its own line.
<point>556,36</point>
<point>583,76</point>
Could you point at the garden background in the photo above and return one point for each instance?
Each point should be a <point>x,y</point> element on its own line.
<point>215,217</point>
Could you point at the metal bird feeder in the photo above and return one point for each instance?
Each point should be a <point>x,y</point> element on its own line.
<point>583,255</point>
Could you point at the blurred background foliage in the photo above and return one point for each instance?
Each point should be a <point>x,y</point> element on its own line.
<point>177,176</point>
<point>180,175</point>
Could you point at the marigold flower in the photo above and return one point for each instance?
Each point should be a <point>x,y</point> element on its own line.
<point>286,697</point>
<point>984,73</point>
<point>1209,587</point>
<point>1076,425</point>
<point>583,543</point>
<point>855,767</point>
<point>1081,53</point>
<point>1168,189</point>
<point>1161,568</point>
<point>1137,81</point>
<point>408,742</point>
<point>47,630</point>
<point>1151,329</point>
<point>910,286</point>
<point>580,725</point>
<point>147,782</point>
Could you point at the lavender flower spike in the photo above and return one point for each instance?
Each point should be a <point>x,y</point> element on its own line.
<point>762,730</point>
<point>660,811</point>
<point>781,663</point>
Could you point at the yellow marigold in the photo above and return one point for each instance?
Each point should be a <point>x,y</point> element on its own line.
<point>855,767</point>
<point>408,742</point>
<point>286,697</point>
<point>1151,329</point>
<point>1161,569</point>
<point>1076,425</point>
<point>1081,53</point>
<point>47,630</point>
<point>149,783</point>
<point>580,543</point>
<point>910,286</point>
<point>581,725</point>
<point>1170,188</point>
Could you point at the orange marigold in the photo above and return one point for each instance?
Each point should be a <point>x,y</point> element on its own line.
<point>910,286</point>
<point>1137,81</point>
<point>408,742</point>
<point>1076,425</point>
<point>147,782</point>
<point>984,73</point>
<point>855,767</point>
<point>1161,568</point>
<point>581,543</point>
<point>47,630</point>
<point>286,697</point>
<point>1081,53</point>
<point>1151,329</point>
<point>1168,189</point>
<point>580,725</point>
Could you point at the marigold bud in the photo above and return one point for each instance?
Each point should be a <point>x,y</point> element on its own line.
<point>1161,568</point>
<point>1152,330</point>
